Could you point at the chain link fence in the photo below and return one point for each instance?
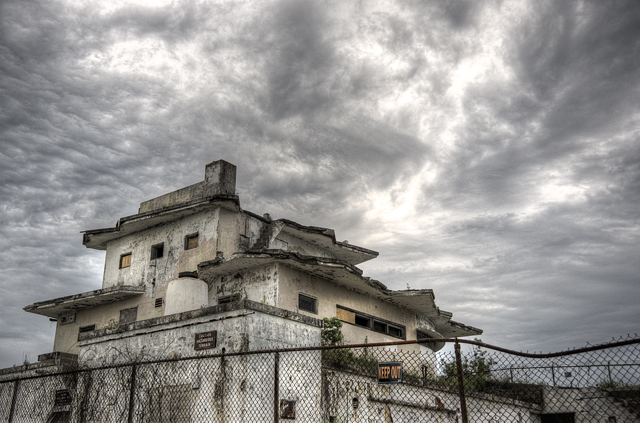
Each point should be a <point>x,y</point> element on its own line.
<point>364,383</point>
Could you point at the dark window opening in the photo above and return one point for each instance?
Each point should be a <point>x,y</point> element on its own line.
<point>394,331</point>
<point>158,302</point>
<point>363,321</point>
<point>157,251</point>
<point>191,241</point>
<point>379,326</point>
<point>307,303</point>
<point>87,328</point>
<point>370,322</point>
<point>125,260</point>
<point>228,298</point>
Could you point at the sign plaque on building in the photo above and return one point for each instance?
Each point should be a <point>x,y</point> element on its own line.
<point>63,397</point>
<point>205,340</point>
<point>390,372</point>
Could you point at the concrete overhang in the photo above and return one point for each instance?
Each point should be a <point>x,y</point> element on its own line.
<point>98,238</point>
<point>451,329</point>
<point>334,270</point>
<point>323,238</point>
<point>85,300</point>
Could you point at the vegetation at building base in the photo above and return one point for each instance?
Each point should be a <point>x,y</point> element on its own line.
<point>344,357</point>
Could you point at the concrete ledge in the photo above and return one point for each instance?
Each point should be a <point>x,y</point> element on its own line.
<point>212,311</point>
<point>85,300</point>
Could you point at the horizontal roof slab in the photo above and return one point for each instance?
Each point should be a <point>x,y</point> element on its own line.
<point>85,300</point>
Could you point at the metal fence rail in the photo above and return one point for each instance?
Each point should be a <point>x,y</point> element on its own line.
<point>342,384</point>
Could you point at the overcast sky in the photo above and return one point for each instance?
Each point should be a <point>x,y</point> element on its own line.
<point>488,150</point>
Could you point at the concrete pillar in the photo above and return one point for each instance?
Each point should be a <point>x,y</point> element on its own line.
<point>219,178</point>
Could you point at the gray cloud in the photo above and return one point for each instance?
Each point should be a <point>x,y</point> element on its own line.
<point>488,150</point>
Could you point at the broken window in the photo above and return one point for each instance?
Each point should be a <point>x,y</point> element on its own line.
<point>307,303</point>
<point>191,241</point>
<point>228,298</point>
<point>128,315</point>
<point>125,260</point>
<point>88,328</point>
<point>157,251</point>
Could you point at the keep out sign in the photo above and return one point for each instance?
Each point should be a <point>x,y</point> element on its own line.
<point>390,372</point>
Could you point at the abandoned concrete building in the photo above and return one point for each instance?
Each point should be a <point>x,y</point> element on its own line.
<point>200,298</point>
<point>195,248</point>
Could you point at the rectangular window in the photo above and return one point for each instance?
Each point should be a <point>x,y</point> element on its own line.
<point>373,323</point>
<point>125,260</point>
<point>157,251</point>
<point>379,326</point>
<point>228,298</point>
<point>363,321</point>
<point>158,302</point>
<point>87,328</point>
<point>394,331</point>
<point>307,303</point>
<point>128,315</point>
<point>191,241</point>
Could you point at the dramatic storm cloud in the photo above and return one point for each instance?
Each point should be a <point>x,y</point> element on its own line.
<point>488,150</point>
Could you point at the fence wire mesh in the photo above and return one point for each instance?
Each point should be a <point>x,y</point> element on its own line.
<point>481,384</point>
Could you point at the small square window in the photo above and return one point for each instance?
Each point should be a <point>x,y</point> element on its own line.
<point>158,302</point>
<point>157,251</point>
<point>191,241</point>
<point>307,303</point>
<point>125,260</point>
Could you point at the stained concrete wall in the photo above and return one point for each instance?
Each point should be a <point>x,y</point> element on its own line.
<point>143,270</point>
<point>291,282</point>
<point>257,284</point>
<point>405,403</point>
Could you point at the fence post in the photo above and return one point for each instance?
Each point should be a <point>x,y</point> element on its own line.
<point>132,390</point>
<point>463,401</point>
<point>609,370</point>
<point>553,375</point>
<point>13,400</point>
<point>276,388</point>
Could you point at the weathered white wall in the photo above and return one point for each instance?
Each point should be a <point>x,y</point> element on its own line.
<point>185,294</point>
<point>329,294</point>
<point>404,403</point>
<point>258,284</point>
<point>143,270</point>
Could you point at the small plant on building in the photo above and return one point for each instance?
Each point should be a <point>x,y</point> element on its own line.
<point>476,370</point>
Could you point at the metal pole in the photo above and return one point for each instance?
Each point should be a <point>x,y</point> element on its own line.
<point>132,389</point>
<point>276,388</point>
<point>463,401</point>
<point>511,373</point>
<point>553,375</point>
<point>609,370</point>
<point>13,400</point>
